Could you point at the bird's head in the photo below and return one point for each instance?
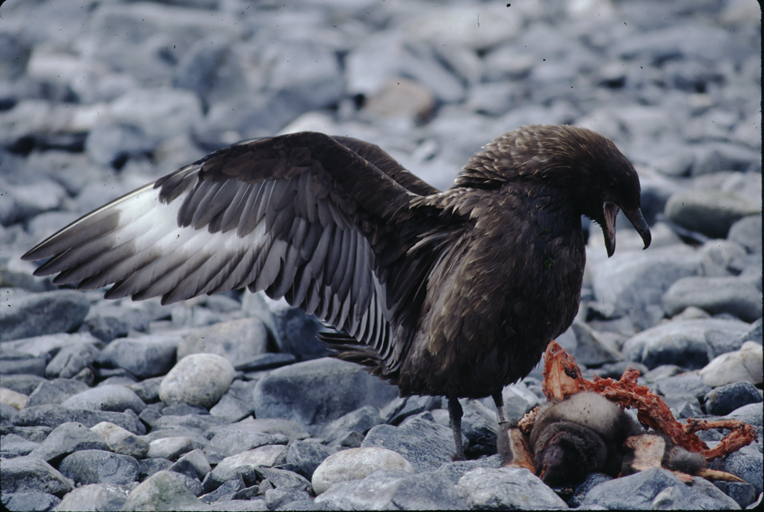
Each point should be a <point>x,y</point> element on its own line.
<point>584,166</point>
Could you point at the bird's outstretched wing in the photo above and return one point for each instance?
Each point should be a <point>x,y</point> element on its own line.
<point>319,220</point>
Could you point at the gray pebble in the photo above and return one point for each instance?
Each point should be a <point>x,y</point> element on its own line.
<point>42,313</point>
<point>88,466</point>
<point>424,443</point>
<point>197,379</point>
<point>145,356</point>
<point>68,438</point>
<point>725,399</point>
<point>315,392</point>
<point>506,488</point>
<point>100,497</point>
<point>106,398</point>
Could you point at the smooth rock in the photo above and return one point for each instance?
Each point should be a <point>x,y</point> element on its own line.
<point>101,497</point>
<point>144,356</point>
<point>725,399</point>
<point>193,464</point>
<point>30,474</point>
<point>55,391</point>
<point>197,379</point>
<point>54,415</point>
<point>742,365</point>
<point>303,457</point>
<point>315,392</point>
<point>424,443</point>
<point>98,466</point>
<point>67,438</point>
<point>736,296</point>
<point>236,403</point>
<point>29,501</point>
<point>747,232</point>
<point>42,313</point>
<point>684,343</point>
<point>356,464</point>
<point>120,440</point>
<point>656,488</point>
<point>506,488</point>
<point>106,398</point>
<point>107,322</point>
<point>682,385</point>
<point>225,443</point>
<point>161,491</point>
<point>711,212</point>
<point>170,447</point>
<point>12,398</point>
<point>13,445</point>
<point>391,490</point>
<point>237,340</point>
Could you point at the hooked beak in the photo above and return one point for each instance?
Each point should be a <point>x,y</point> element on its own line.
<point>635,217</point>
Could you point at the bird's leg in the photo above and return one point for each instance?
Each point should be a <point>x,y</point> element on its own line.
<point>498,399</point>
<point>455,415</point>
<point>511,444</point>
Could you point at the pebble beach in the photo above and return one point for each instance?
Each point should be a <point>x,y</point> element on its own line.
<point>229,402</point>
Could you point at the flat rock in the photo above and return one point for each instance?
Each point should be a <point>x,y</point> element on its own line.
<point>161,491</point>
<point>711,212</point>
<point>424,443</point>
<point>506,488</point>
<point>391,490</point>
<point>67,438</point>
<point>361,421</point>
<point>193,464</point>
<point>42,313</point>
<point>71,360</point>
<point>55,391</point>
<point>725,399</point>
<point>99,466</point>
<point>356,464</point>
<point>144,356</point>
<point>635,281</point>
<point>313,393</point>
<point>683,343</point>
<point>737,296</point>
<point>229,442</point>
<point>54,415</point>
<point>657,488</point>
<point>236,403</point>
<point>14,445</point>
<point>742,365</point>
<point>236,340</point>
<point>30,474</point>
<point>111,397</point>
<point>197,379</point>
<point>94,497</point>
<point>120,440</point>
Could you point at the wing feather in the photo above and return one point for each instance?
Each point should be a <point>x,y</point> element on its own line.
<point>304,216</point>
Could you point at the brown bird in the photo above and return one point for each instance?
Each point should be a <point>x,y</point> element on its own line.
<point>453,293</point>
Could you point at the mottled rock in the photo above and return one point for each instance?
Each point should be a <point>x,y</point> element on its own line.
<point>144,356</point>
<point>30,474</point>
<point>94,497</point>
<point>656,488</point>
<point>742,365</point>
<point>197,379</point>
<point>424,443</point>
<point>725,399</point>
<point>121,441</point>
<point>315,392</point>
<point>106,398</point>
<point>161,491</point>
<point>737,296</point>
<point>506,488</point>
<point>356,464</point>
<point>684,343</point>
<point>67,438</point>
<point>237,340</point>
<point>42,313</point>
<point>98,466</point>
<point>55,391</point>
<point>193,464</point>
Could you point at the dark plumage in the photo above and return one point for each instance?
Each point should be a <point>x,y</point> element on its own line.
<point>451,293</point>
<point>580,435</point>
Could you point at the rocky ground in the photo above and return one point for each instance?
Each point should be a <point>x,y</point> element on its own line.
<point>227,402</point>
